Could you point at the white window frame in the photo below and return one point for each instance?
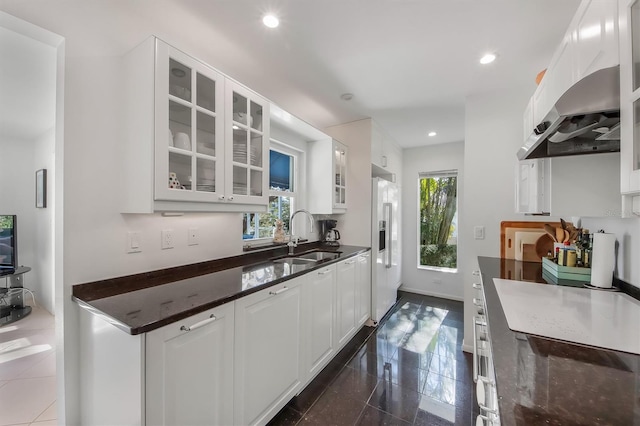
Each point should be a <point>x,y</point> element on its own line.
<point>422,175</point>
<point>295,195</point>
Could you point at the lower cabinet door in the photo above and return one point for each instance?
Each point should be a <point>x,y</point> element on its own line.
<point>363,290</point>
<point>267,352</point>
<point>319,314</point>
<point>346,300</point>
<point>189,370</point>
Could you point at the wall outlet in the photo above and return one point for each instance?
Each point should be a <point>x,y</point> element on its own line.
<point>134,242</point>
<point>478,232</point>
<point>167,239</point>
<point>193,238</point>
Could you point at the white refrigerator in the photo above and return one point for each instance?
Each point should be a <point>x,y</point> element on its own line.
<point>385,247</point>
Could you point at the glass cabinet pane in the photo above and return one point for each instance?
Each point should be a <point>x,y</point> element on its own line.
<point>636,135</point>
<point>256,182</point>
<point>206,175</point>
<point>256,116</point>
<point>206,92</point>
<point>179,126</point>
<point>240,184</point>
<point>240,109</point>
<point>256,149</point>
<point>635,43</point>
<point>179,80</point>
<point>205,134</point>
<point>336,196</point>
<point>240,145</point>
<point>179,171</point>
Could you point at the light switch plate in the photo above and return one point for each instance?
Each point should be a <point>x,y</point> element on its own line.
<point>134,242</point>
<point>193,239</point>
<point>478,232</point>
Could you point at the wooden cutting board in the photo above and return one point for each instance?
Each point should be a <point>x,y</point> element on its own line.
<point>533,249</point>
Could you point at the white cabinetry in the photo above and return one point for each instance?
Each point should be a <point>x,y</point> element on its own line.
<point>363,288</point>
<point>327,177</point>
<point>590,44</point>
<point>346,301</point>
<point>630,105</point>
<point>532,186</point>
<point>194,140</point>
<point>386,156</point>
<point>319,295</point>
<point>267,370</point>
<point>569,186</point>
<point>189,370</point>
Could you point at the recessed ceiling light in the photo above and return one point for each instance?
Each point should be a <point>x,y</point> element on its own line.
<point>346,96</point>
<point>488,58</point>
<point>270,21</point>
<point>431,134</point>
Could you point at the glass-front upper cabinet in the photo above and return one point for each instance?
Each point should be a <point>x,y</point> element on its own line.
<point>189,135</point>
<point>247,131</point>
<point>340,175</point>
<point>630,103</point>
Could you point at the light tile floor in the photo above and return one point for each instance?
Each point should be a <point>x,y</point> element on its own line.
<point>28,371</point>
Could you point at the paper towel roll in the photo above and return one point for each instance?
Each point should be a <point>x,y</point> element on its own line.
<point>604,258</point>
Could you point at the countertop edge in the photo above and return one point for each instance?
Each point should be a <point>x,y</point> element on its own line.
<point>85,302</point>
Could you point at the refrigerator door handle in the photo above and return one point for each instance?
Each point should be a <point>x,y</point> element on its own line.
<point>387,213</point>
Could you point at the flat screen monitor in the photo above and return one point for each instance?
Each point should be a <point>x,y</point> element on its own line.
<point>8,244</point>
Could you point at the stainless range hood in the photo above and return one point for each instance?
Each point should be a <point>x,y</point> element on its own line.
<point>585,120</point>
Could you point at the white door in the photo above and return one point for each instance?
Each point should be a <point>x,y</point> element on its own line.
<point>319,299</point>
<point>346,300</point>
<point>267,352</point>
<point>189,370</point>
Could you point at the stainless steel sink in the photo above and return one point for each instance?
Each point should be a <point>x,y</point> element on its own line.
<point>319,255</point>
<point>295,261</point>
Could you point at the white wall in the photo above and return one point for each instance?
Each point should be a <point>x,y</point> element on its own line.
<point>355,224</point>
<point>493,135</point>
<point>43,272</point>
<point>431,158</point>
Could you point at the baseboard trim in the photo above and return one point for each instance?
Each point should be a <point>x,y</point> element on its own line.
<point>430,293</point>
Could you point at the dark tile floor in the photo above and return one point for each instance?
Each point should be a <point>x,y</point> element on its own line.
<point>410,370</point>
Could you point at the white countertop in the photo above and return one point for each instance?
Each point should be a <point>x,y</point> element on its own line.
<point>590,317</point>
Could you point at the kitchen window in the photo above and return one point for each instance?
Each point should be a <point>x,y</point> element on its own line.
<point>438,220</point>
<point>283,164</point>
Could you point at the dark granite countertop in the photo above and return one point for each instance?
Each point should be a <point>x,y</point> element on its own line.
<point>143,302</point>
<point>548,382</point>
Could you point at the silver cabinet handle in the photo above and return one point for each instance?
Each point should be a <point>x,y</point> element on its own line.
<point>230,198</point>
<point>221,197</point>
<point>477,286</point>
<point>199,324</point>
<point>326,271</point>
<point>282,290</point>
<point>351,262</point>
<point>476,273</point>
<point>478,302</point>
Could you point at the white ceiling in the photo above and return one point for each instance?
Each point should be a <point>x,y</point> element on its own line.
<point>409,63</point>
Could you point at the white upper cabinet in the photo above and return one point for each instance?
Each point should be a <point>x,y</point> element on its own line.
<point>327,176</point>
<point>590,44</point>
<point>386,156</point>
<point>195,140</point>
<point>247,127</point>
<point>630,105</point>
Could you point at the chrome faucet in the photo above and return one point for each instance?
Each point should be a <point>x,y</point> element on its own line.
<point>293,240</point>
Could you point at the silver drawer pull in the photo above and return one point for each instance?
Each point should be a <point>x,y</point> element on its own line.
<point>477,302</point>
<point>324,272</point>
<point>202,323</point>
<point>477,286</point>
<point>282,290</point>
<point>480,322</point>
<point>476,273</point>
<point>350,262</point>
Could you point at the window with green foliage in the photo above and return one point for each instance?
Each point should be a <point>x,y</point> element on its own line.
<point>438,219</point>
<point>282,183</point>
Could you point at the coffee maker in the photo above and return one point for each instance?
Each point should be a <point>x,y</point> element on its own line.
<point>328,234</point>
